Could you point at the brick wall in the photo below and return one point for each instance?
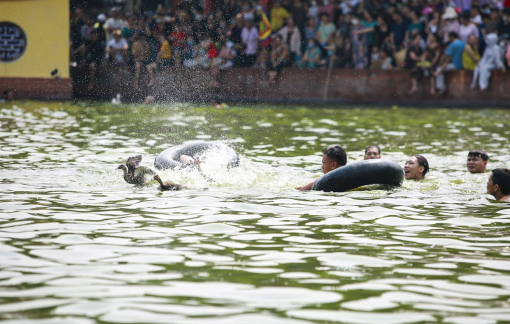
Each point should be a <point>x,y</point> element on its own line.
<point>295,85</point>
<point>38,88</point>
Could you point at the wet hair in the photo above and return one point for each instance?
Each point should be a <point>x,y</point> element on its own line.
<point>422,161</point>
<point>480,153</point>
<point>336,153</point>
<point>376,146</point>
<point>501,177</point>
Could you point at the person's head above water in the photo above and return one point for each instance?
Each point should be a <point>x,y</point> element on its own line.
<point>499,184</point>
<point>333,157</point>
<point>477,161</point>
<point>372,152</point>
<point>416,168</point>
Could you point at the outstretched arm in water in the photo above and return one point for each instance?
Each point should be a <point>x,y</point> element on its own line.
<point>306,187</point>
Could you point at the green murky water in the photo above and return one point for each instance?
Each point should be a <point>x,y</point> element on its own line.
<point>79,245</point>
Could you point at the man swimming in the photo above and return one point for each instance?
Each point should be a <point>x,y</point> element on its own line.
<point>499,184</point>
<point>416,168</point>
<point>372,152</point>
<point>477,161</point>
<point>333,157</point>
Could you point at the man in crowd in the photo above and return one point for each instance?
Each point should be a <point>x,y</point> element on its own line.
<point>113,23</point>
<point>499,184</point>
<point>333,157</point>
<point>372,152</point>
<point>451,61</point>
<point>94,51</point>
<point>250,40</point>
<point>477,161</point>
<point>117,49</point>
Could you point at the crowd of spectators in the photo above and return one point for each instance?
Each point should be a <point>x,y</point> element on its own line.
<point>426,37</point>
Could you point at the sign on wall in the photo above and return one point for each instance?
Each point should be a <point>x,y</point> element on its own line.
<point>34,38</point>
<point>13,42</point>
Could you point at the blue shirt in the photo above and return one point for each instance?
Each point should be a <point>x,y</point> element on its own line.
<point>454,51</point>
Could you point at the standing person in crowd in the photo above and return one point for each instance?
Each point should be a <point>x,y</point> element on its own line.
<point>416,168</point>
<point>499,184</point>
<point>117,49</point>
<point>430,60</point>
<point>113,23</point>
<point>467,27</point>
<point>279,58</point>
<point>372,152</point>
<point>178,39</point>
<point>491,60</point>
<point>491,22</point>
<point>311,29</point>
<point>164,56</point>
<point>333,157</point>
<point>326,28</point>
<point>292,38</point>
<point>504,23</point>
<point>225,59</point>
<point>359,45</point>
<point>128,33</point>
<point>235,32</point>
<point>398,31</point>
<point>449,24</point>
<point>452,60</point>
<point>298,12</point>
<point>278,15</point>
<point>312,56</point>
<point>141,56</point>
<point>413,56</point>
<point>99,26</point>
<point>416,26</point>
<point>477,161</point>
<point>86,28</point>
<point>470,56</point>
<point>94,51</point>
<point>250,39</point>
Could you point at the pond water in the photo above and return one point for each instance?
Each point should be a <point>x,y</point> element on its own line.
<point>80,245</point>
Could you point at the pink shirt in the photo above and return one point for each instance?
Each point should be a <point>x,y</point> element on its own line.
<point>466,31</point>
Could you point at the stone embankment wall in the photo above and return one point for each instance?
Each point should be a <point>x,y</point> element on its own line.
<point>38,88</point>
<point>293,86</point>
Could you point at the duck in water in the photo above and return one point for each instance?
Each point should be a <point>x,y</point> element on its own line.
<point>135,174</point>
<point>167,185</point>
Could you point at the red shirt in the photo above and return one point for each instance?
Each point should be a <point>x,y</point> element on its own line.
<point>178,38</point>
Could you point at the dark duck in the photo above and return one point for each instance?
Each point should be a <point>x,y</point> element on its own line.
<point>167,185</point>
<point>135,174</point>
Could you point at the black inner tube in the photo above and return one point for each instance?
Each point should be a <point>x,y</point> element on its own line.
<point>169,158</point>
<point>359,174</point>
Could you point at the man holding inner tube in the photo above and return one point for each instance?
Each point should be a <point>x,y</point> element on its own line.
<point>333,157</point>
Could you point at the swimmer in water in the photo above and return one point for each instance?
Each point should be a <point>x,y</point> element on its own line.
<point>416,168</point>
<point>477,161</point>
<point>372,152</point>
<point>333,157</point>
<point>499,184</point>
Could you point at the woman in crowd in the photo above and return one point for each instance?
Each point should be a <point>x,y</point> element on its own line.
<point>416,168</point>
<point>312,56</point>
<point>470,56</point>
<point>467,28</point>
<point>413,56</point>
<point>430,60</point>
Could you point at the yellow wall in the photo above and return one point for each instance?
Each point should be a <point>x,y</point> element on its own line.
<point>46,25</point>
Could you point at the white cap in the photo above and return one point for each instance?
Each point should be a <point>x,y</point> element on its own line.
<point>101,18</point>
<point>450,13</point>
